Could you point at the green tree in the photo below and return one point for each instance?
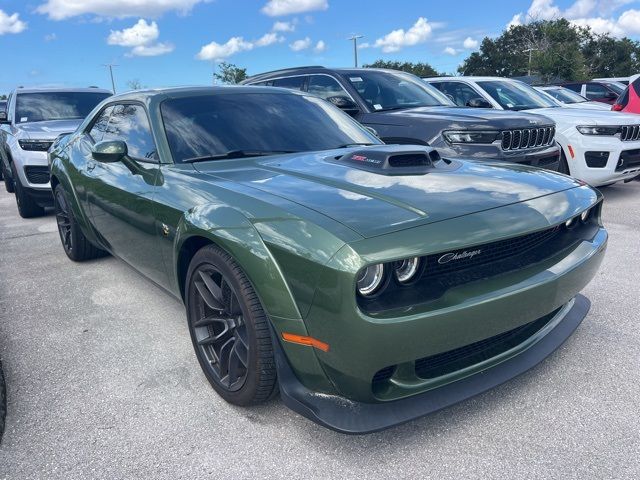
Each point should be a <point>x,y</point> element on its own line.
<point>229,73</point>
<point>610,57</point>
<point>420,69</point>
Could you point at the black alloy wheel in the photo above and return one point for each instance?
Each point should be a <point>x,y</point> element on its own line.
<point>64,221</point>
<point>229,329</point>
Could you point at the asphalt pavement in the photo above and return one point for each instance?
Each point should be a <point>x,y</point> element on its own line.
<point>103,382</point>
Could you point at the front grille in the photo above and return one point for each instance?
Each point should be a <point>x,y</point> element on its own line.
<point>628,159</point>
<point>453,360</point>
<point>630,133</point>
<point>37,174</point>
<point>527,138</point>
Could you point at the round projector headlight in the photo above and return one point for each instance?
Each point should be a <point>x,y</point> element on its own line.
<point>370,279</point>
<point>406,269</point>
<point>585,215</point>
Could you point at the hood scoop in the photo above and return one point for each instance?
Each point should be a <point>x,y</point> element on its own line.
<point>394,160</point>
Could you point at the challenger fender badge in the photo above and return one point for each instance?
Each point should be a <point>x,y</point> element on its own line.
<point>448,257</point>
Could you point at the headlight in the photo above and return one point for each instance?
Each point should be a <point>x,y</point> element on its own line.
<point>470,137</point>
<point>406,270</point>
<point>606,130</point>
<point>35,145</point>
<point>370,279</point>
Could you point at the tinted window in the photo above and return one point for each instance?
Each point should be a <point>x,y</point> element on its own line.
<point>615,87</point>
<point>394,90</point>
<point>3,105</point>
<point>130,124</point>
<point>595,90</point>
<point>324,87</point>
<point>266,122</point>
<point>576,87</point>
<point>41,106</point>
<point>100,125</point>
<point>636,86</point>
<point>293,83</point>
<point>458,92</point>
<point>513,95</point>
<point>624,98</point>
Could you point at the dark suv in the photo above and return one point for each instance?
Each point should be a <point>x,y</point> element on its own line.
<point>401,108</point>
<point>605,92</point>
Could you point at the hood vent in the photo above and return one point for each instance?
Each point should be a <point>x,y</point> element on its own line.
<point>393,160</point>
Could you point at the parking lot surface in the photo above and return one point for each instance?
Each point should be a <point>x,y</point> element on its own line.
<point>103,382</point>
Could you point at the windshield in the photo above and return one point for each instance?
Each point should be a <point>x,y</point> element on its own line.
<point>565,95</point>
<point>43,106</point>
<point>512,95</point>
<point>217,124</point>
<point>615,86</point>
<point>395,90</point>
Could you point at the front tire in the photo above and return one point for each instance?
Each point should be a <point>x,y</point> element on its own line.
<point>74,243</point>
<point>229,329</point>
<point>27,207</point>
<point>8,181</point>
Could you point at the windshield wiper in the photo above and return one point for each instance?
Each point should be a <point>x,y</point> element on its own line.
<point>235,154</point>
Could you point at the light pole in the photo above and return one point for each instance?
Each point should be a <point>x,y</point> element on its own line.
<point>530,50</point>
<point>355,38</point>
<point>111,65</point>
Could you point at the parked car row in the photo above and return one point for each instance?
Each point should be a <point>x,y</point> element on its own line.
<point>369,283</point>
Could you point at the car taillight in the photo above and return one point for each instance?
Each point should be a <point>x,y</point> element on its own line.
<point>616,107</point>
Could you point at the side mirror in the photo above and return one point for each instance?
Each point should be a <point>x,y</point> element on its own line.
<point>478,103</point>
<point>3,118</point>
<point>344,103</point>
<point>109,151</point>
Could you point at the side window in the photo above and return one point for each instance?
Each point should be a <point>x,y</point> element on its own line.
<point>130,124</point>
<point>324,87</point>
<point>576,87</point>
<point>595,90</point>
<point>100,126</point>
<point>293,83</point>
<point>458,92</point>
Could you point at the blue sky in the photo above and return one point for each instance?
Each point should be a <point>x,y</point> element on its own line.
<point>178,42</point>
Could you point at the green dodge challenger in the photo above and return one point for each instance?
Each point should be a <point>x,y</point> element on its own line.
<point>368,284</point>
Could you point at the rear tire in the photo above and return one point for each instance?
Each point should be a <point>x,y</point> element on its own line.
<point>27,207</point>
<point>74,243</point>
<point>229,329</point>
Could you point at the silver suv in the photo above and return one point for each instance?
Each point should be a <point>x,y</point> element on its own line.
<point>35,117</point>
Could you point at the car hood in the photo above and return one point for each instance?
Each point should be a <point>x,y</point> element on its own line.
<point>460,117</point>
<point>371,203</point>
<point>589,106</point>
<point>48,130</point>
<point>586,116</point>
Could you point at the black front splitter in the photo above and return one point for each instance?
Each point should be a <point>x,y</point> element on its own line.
<point>346,416</point>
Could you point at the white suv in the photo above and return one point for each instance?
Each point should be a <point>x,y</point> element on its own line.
<point>35,118</point>
<point>599,147</point>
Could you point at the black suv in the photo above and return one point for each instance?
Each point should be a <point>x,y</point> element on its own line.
<point>401,108</point>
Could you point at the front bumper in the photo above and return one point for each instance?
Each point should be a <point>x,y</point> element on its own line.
<point>613,171</point>
<point>347,416</point>
<point>24,159</point>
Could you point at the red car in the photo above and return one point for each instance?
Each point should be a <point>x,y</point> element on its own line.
<point>629,101</point>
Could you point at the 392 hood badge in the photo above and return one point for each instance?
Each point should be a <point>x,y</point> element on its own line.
<point>448,257</point>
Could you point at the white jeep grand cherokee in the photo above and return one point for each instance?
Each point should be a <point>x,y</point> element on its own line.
<point>35,118</point>
<point>599,147</point>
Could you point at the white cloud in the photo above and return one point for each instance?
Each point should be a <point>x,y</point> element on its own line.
<point>141,39</point>
<point>216,51</point>
<point>469,43</point>
<point>450,51</point>
<point>299,45</point>
<point>320,47</point>
<point>220,51</point>
<point>595,14</point>
<point>277,8</point>
<point>397,39</point>
<point>50,37</point>
<point>62,9</point>
<point>11,23</point>
<point>269,39</point>
<point>284,26</point>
